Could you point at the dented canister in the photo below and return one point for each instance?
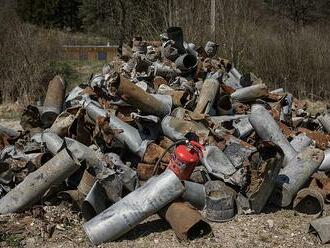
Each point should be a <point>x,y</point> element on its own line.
<point>33,187</point>
<point>207,96</point>
<point>124,215</point>
<point>186,221</point>
<point>53,101</point>
<point>293,177</point>
<point>250,93</point>
<point>267,129</point>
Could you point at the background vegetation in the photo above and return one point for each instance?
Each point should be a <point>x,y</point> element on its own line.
<point>285,42</point>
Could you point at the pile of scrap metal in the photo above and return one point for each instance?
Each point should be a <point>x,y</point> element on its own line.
<point>169,129</point>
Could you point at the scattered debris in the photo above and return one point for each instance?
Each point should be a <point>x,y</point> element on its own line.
<point>166,128</point>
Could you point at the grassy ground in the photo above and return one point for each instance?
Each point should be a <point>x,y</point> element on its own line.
<point>76,71</point>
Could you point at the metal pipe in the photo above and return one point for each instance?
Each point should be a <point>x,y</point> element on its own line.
<point>293,176</point>
<point>300,142</point>
<point>268,130</point>
<point>176,34</point>
<point>129,136</point>
<point>207,96</point>
<point>321,228</point>
<point>286,110</point>
<point>145,102</point>
<point>218,165</point>
<point>325,121</point>
<point>259,196</point>
<point>176,128</point>
<point>186,221</point>
<point>194,194</point>
<point>52,141</point>
<point>53,101</point>
<point>325,165</point>
<point>33,187</point>
<point>186,62</point>
<point>9,132</point>
<point>124,215</point>
<point>309,201</point>
<point>96,201</point>
<point>250,93</point>
<point>62,124</point>
<point>220,201</point>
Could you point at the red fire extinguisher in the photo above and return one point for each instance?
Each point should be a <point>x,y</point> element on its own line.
<point>185,157</point>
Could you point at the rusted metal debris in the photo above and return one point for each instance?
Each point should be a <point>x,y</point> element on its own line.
<point>110,140</point>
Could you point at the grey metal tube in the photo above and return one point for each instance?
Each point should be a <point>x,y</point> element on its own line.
<point>124,215</point>
<point>186,62</point>
<point>33,187</point>
<point>300,142</point>
<point>176,128</point>
<point>194,194</point>
<point>9,132</point>
<point>321,227</point>
<point>95,202</point>
<point>325,166</point>
<point>309,201</point>
<point>325,121</point>
<point>207,96</point>
<point>268,130</point>
<point>218,164</point>
<point>53,101</point>
<point>297,172</point>
<point>130,135</point>
<point>250,93</point>
<point>52,141</point>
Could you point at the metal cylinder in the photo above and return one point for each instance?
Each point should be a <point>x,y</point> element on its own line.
<point>176,34</point>
<point>286,110</point>
<point>300,142</point>
<point>250,93</point>
<point>38,182</point>
<point>220,201</point>
<point>96,201</point>
<point>321,227</point>
<point>176,128</point>
<point>268,130</point>
<point>186,221</point>
<point>165,71</point>
<point>129,136</point>
<point>325,121</point>
<point>62,124</point>
<point>207,96</point>
<point>218,165</point>
<point>52,141</point>
<point>124,215</point>
<point>11,133</point>
<point>53,101</point>
<point>224,105</point>
<point>211,49</point>
<point>293,177</point>
<point>194,194</point>
<point>137,97</point>
<point>309,201</point>
<point>325,165</point>
<point>186,62</point>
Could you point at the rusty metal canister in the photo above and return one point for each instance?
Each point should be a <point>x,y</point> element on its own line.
<point>53,101</point>
<point>220,201</point>
<point>185,220</point>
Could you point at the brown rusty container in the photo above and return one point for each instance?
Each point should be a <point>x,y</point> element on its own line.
<point>53,101</point>
<point>220,201</point>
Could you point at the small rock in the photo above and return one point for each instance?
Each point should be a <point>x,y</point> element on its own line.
<point>270,223</point>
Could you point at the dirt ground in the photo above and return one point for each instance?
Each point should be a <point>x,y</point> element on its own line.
<point>273,228</point>
<point>59,226</point>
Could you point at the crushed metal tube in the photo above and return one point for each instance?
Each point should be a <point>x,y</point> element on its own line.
<point>167,128</point>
